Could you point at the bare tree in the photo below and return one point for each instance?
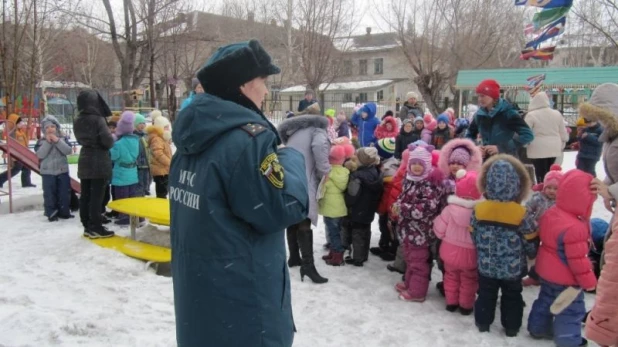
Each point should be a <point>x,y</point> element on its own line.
<point>129,35</point>
<point>600,15</point>
<point>320,22</point>
<point>15,18</point>
<point>439,38</point>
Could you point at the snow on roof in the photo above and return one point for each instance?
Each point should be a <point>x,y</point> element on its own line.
<point>61,84</point>
<point>341,86</point>
<point>367,43</point>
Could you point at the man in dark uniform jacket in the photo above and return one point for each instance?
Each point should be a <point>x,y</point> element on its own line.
<point>233,191</point>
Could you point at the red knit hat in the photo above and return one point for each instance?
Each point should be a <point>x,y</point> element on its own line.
<point>490,88</point>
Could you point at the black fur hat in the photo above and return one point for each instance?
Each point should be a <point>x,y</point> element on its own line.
<point>234,65</point>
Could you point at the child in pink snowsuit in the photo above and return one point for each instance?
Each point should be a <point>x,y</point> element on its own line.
<point>421,200</point>
<point>457,250</point>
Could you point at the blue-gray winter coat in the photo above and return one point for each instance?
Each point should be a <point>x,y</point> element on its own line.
<point>499,127</point>
<point>307,134</point>
<point>590,147</point>
<point>53,156</point>
<point>232,194</point>
<point>502,230</point>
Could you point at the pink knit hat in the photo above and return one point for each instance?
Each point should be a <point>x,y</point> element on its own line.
<point>420,155</point>
<point>460,155</point>
<point>553,177</point>
<point>465,185</point>
<point>337,155</point>
<point>431,126</point>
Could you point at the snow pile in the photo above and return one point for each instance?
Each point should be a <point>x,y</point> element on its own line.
<point>58,289</point>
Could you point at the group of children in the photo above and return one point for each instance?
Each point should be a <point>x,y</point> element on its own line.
<point>140,154</point>
<point>469,216</point>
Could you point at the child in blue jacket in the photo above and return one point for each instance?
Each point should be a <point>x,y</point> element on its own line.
<point>124,157</point>
<point>366,122</point>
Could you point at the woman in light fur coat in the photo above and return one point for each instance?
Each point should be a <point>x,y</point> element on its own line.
<point>603,319</point>
<point>603,107</point>
<point>308,135</point>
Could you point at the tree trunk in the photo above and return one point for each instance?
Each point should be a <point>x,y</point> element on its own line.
<point>33,66</point>
<point>173,103</point>
<point>153,92</point>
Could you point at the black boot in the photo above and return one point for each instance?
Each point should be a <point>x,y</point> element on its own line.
<point>305,241</point>
<point>292,237</point>
<point>366,242</point>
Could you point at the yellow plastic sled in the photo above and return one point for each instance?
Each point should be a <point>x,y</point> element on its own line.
<point>154,209</point>
<point>136,249</point>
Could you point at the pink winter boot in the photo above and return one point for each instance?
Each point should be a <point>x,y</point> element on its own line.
<point>406,296</point>
<point>401,287</point>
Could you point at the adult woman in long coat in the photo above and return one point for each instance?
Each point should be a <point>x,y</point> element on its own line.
<point>94,167</point>
<point>308,135</point>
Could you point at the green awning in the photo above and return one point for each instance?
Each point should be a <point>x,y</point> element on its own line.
<point>573,77</point>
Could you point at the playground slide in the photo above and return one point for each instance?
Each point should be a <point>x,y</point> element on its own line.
<point>29,159</point>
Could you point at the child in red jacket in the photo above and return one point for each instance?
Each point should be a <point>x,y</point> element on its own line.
<point>387,246</point>
<point>562,261</point>
<point>388,128</point>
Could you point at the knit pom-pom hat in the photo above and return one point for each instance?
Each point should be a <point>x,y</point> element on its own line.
<point>465,185</point>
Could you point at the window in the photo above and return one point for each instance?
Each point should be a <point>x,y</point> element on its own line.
<point>380,95</point>
<point>347,97</point>
<point>362,67</point>
<point>362,97</point>
<point>378,66</point>
<point>347,67</point>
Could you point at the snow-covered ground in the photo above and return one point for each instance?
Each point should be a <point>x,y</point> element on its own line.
<point>58,289</point>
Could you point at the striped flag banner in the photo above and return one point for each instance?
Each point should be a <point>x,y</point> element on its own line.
<point>544,3</point>
<point>552,30</point>
<point>546,53</point>
<point>550,15</point>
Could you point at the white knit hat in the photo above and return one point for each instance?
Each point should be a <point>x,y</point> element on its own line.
<point>162,123</point>
<point>411,95</point>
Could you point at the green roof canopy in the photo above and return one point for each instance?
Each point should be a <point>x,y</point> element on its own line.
<point>572,77</point>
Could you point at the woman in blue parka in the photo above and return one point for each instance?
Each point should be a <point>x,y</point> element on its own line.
<point>233,190</point>
<point>366,122</point>
<point>498,122</point>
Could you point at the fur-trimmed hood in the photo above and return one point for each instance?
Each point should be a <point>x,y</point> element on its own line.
<point>476,157</point>
<point>288,127</point>
<point>603,107</point>
<point>503,189</point>
<point>154,130</point>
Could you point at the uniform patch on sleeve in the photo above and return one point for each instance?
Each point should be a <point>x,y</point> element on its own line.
<point>272,170</point>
